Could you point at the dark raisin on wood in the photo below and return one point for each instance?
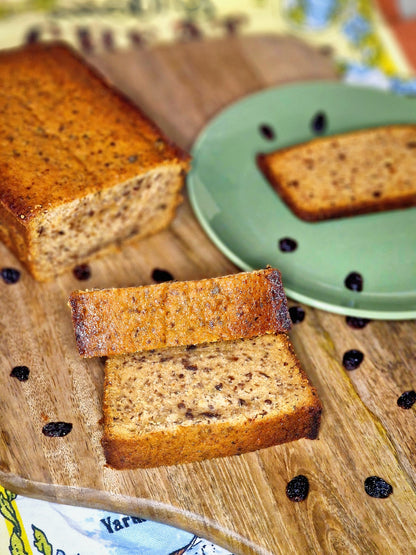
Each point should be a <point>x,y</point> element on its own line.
<point>298,488</point>
<point>82,272</point>
<point>190,347</point>
<point>57,429</point>
<point>377,487</point>
<point>407,399</point>
<point>161,275</point>
<point>297,314</point>
<point>319,123</point>
<point>357,323</point>
<point>267,131</point>
<point>10,275</point>
<point>84,39</point>
<point>354,281</point>
<point>352,359</point>
<point>286,244</point>
<point>21,373</point>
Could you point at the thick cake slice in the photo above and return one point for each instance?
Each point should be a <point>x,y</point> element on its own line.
<point>128,320</point>
<point>81,168</point>
<point>344,175</point>
<point>178,405</point>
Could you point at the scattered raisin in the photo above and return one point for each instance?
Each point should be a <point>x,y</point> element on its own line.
<point>287,244</point>
<point>21,373</point>
<point>354,281</point>
<point>190,347</point>
<point>161,275</point>
<point>319,123</point>
<point>352,359</point>
<point>84,39</point>
<point>357,323</point>
<point>57,429</point>
<point>407,399</point>
<point>377,487</point>
<point>82,272</point>
<point>297,314</point>
<point>218,387</point>
<point>267,131</point>
<point>298,488</point>
<point>10,275</point>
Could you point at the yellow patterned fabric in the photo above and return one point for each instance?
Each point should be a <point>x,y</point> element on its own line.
<point>353,29</point>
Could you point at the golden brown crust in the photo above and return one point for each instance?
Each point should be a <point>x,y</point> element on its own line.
<point>206,441</point>
<point>62,115</point>
<point>349,182</point>
<point>119,321</point>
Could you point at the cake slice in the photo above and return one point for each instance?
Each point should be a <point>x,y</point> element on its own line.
<point>128,320</point>
<point>81,168</point>
<point>343,175</point>
<point>183,404</point>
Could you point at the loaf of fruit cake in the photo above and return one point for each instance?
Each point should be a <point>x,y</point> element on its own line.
<point>183,404</point>
<point>127,320</point>
<point>81,167</point>
<point>358,172</point>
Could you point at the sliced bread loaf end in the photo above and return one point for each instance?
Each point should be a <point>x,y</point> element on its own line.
<point>128,320</point>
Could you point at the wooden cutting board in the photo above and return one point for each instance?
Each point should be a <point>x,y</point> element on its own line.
<point>237,502</point>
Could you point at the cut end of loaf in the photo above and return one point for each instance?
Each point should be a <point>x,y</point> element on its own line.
<point>77,231</point>
<point>181,405</point>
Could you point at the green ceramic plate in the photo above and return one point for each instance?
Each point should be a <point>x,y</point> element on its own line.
<point>245,218</point>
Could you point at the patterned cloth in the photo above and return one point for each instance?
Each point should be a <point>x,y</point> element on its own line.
<point>366,53</point>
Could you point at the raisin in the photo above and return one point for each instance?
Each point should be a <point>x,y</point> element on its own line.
<point>10,275</point>
<point>354,281</point>
<point>161,275</point>
<point>191,367</point>
<point>298,488</point>
<point>82,272</point>
<point>84,39</point>
<point>21,373</point>
<point>287,244</point>
<point>377,487</point>
<point>297,314</point>
<point>267,132</point>
<point>352,359</point>
<point>357,323</point>
<point>319,123</point>
<point>407,399</point>
<point>57,429</point>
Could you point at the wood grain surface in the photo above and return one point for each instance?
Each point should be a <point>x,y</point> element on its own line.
<point>237,502</point>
